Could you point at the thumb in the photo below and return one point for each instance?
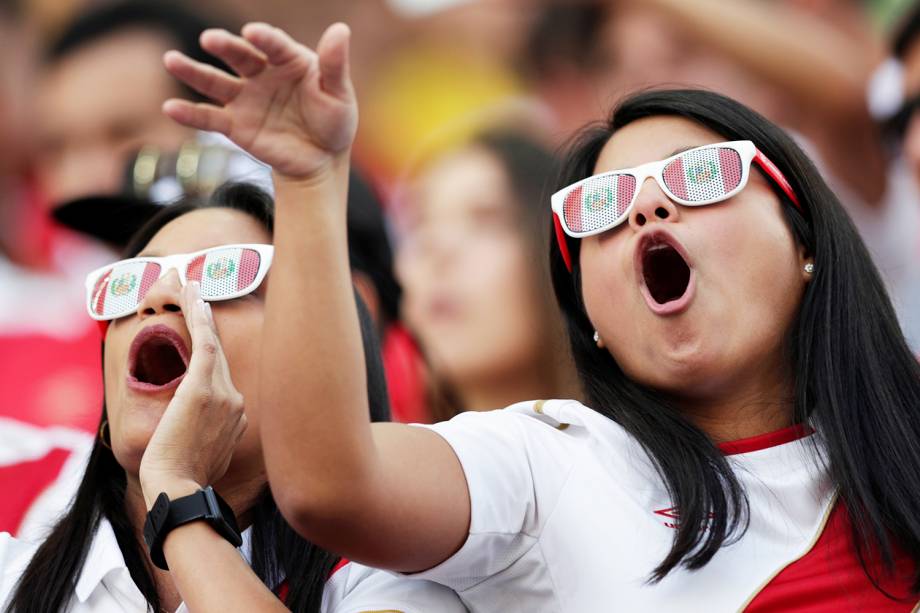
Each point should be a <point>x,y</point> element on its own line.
<point>333,61</point>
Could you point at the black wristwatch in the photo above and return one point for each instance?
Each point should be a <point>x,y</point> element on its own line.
<point>167,514</point>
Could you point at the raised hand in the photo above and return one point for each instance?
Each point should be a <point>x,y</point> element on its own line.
<point>194,441</point>
<point>289,106</point>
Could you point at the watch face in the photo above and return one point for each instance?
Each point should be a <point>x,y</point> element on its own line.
<point>223,519</point>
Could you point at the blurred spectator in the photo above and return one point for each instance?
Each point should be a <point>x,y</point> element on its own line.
<point>371,257</point>
<point>892,228</point>
<point>566,63</point>
<point>98,102</point>
<point>473,269</point>
<point>102,90</point>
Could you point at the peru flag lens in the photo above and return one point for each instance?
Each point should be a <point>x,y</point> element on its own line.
<point>598,202</point>
<point>226,272</point>
<point>704,175</point>
<point>121,289</point>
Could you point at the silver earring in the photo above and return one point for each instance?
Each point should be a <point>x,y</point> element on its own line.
<point>809,268</point>
<point>597,337</point>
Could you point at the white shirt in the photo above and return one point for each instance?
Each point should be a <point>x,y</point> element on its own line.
<point>105,584</point>
<point>574,517</point>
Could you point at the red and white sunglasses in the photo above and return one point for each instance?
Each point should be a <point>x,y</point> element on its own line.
<point>225,272</point>
<point>697,177</point>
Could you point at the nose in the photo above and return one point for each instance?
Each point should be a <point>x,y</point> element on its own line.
<point>162,297</point>
<point>437,248</point>
<point>652,205</point>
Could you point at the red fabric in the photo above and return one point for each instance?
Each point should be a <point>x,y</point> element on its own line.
<point>829,578</point>
<point>405,376</point>
<point>341,564</point>
<point>34,232</point>
<point>48,381</point>
<point>23,482</point>
<point>765,441</point>
<point>284,589</point>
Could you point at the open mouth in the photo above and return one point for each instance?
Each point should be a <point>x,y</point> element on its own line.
<point>158,359</point>
<point>664,270</point>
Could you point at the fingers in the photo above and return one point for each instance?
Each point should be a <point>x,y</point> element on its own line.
<point>245,59</point>
<point>333,60</point>
<point>203,78</point>
<point>200,115</point>
<point>220,369</point>
<point>277,46</point>
<point>205,346</point>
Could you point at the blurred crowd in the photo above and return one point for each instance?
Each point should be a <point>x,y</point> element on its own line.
<point>463,104</point>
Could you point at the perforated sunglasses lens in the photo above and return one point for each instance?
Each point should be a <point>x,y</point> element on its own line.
<point>120,290</point>
<point>704,174</point>
<point>225,272</point>
<point>599,202</point>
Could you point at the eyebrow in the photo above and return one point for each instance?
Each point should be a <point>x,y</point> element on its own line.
<point>681,150</point>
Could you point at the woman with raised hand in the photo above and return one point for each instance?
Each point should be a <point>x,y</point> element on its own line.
<point>175,472</point>
<point>751,439</point>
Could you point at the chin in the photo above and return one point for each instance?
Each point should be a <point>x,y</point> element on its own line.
<point>129,455</point>
<point>672,367</point>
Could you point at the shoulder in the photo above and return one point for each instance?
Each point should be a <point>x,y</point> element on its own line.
<point>557,423</point>
<point>14,558</point>
<point>354,588</point>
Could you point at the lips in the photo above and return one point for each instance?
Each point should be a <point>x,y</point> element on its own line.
<point>157,360</point>
<point>667,278</point>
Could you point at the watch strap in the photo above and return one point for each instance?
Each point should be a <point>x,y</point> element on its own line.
<point>166,515</point>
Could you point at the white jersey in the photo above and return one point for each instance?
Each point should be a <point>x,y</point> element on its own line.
<point>568,514</point>
<point>105,584</point>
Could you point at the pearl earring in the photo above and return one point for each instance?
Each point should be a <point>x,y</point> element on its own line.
<point>809,268</point>
<point>597,337</point>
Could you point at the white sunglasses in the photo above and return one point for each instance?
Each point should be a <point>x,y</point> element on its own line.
<point>225,272</point>
<point>703,175</point>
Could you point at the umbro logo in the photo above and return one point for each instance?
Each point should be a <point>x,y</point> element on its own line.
<point>673,515</point>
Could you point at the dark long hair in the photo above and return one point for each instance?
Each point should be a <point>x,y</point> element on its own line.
<point>856,380</point>
<point>278,552</point>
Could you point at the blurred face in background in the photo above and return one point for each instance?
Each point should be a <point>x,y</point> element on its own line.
<point>97,106</point>
<point>470,291</point>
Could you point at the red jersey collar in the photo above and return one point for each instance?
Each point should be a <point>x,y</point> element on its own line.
<point>765,441</point>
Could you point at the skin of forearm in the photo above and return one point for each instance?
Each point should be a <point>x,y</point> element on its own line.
<point>817,64</point>
<point>351,487</point>
<point>211,575</point>
<point>313,393</point>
